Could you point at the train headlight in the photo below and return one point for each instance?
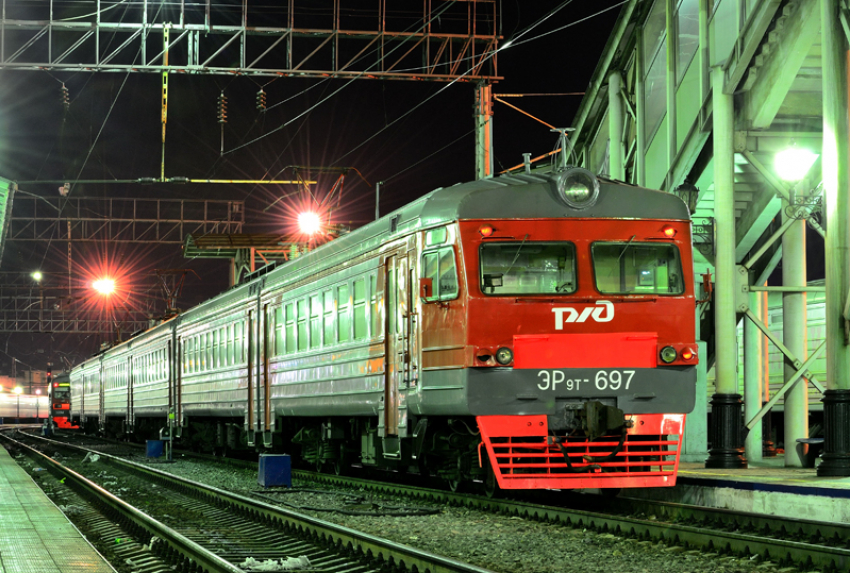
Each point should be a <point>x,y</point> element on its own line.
<point>504,356</point>
<point>668,354</point>
<point>579,188</point>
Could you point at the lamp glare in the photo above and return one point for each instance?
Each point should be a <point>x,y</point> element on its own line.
<point>793,164</point>
<point>104,286</point>
<point>309,223</point>
<point>37,276</point>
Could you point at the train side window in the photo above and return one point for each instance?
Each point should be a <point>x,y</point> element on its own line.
<point>210,350</point>
<point>440,267</point>
<point>303,314</point>
<point>237,343</point>
<point>279,338</point>
<point>375,310</point>
<point>344,313</point>
<point>328,297</point>
<point>360,330</point>
<point>315,321</point>
<point>229,350</point>
<point>290,327</point>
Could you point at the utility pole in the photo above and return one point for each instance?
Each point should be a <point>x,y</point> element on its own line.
<point>483,131</point>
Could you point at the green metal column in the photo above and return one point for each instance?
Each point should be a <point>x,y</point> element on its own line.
<point>835,163</point>
<point>616,168</point>
<point>670,60</point>
<point>640,111</point>
<point>754,361</point>
<point>725,429</point>
<point>794,336</point>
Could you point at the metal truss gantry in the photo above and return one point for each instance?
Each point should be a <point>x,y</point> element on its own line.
<point>116,220</point>
<point>35,308</point>
<point>437,40</point>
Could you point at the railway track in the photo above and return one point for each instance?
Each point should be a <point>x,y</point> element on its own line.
<point>793,543</point>
<point>219,531</point>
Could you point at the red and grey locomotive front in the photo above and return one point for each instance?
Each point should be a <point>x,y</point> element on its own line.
<point>578,330</point>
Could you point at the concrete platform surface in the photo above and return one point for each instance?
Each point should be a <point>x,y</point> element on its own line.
<point>765,487</point>
<point>35,536</point>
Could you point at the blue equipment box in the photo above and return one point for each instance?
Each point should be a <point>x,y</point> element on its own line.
<point>154,448</point>
<point>275,469</point>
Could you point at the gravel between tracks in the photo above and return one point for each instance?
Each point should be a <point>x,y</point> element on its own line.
<point>501,543</point>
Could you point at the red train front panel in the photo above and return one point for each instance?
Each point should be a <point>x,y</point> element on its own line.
<point>60,404</point>
<point>581,351</point>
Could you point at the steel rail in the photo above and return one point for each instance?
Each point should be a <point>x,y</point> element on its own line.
<point>401,556</point>
<point>207,560</point>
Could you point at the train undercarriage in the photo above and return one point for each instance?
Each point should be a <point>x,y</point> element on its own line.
<point>595,442</point>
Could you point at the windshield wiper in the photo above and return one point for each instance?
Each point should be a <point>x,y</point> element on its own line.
<point>517,253</point>
<point>623,252</point>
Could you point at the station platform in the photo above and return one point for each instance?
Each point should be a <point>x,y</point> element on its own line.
<point>765,487</point>
<point>35,536</point>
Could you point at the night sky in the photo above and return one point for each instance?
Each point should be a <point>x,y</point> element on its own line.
<point>38,141</point>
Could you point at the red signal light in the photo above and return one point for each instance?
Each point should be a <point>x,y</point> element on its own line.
<point>688,354</point>
<point>56,384</point>
<point>486,230</point>
<point>669,232</point>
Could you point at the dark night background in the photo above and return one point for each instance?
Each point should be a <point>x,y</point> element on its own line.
<point>39,141</point>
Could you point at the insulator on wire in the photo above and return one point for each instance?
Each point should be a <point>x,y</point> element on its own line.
<point>222,108</point>
<point>261,100</point>
<point>66,99</point>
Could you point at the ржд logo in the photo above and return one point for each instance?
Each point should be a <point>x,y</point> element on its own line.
<point>604,312</point>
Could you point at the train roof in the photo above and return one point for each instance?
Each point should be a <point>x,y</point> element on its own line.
<point>512,196</point>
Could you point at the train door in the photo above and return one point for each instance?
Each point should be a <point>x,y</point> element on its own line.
<point>131,416</point>
<point>174,390</point>
<point>250,420</point>
<point>392,423</point>
<point>101,418</point>
<point>264,395</point>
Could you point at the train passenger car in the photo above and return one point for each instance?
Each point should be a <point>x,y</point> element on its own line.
<point>59,393</point>
<point>529,331</point>
<point>25,408</point>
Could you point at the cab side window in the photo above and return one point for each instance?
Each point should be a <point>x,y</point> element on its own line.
<point>439,265</point>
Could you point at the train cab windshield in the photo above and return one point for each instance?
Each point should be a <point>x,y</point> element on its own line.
<point>528,268</point>
<point>61,393</point>
<point>637,268</point>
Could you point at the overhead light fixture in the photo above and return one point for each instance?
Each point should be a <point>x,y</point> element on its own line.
<point>309,223</point>
<point>688,193</point>
<point>793,163</point>
<point>104,286</point>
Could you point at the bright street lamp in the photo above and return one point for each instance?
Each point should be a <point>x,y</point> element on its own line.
<point>37,276</point>
<point>309,223</point>
<point>104,286</point>
<point>793,164</point>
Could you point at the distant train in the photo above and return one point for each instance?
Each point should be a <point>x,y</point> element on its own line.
<point>60,400</point>
<point>525,331</point>
<point>25,408</point>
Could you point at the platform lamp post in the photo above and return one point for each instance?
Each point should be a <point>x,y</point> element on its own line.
<point>18,391</point>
